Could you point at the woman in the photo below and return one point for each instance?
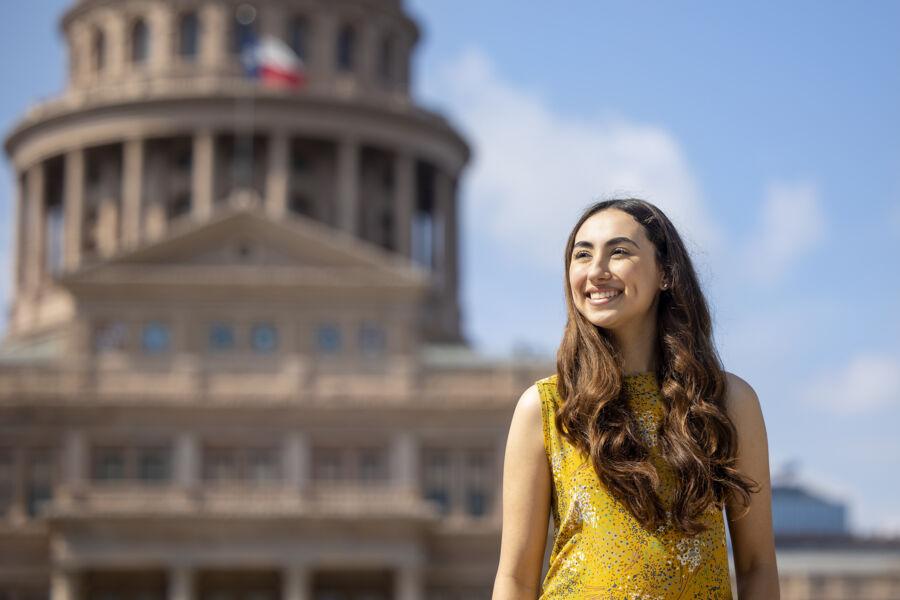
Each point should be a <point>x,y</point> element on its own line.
<point>640,440</point>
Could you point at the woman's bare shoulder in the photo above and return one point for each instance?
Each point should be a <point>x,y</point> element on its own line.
<point>529,403</point>
<point>742,404</point>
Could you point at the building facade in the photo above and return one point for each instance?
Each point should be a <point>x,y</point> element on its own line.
<point>819,558</point>
<point>234,366</point>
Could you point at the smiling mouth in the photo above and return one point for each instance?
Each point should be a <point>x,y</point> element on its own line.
<point>602,298</point>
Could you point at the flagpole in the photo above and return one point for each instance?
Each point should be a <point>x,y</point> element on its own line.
<point>269,60</point>
<point>243,163</point>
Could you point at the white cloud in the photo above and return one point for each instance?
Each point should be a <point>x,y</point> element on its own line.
<point>535,169</point>
<point>889,527</point>
<point>792,224</point>
<point>867,384</point>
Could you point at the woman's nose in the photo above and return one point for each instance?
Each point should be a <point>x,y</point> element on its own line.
<point>598,270</point>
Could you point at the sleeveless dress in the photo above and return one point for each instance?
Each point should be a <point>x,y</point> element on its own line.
<point>600,551</point>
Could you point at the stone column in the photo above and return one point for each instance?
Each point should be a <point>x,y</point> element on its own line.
<point>132,191</point>
<point>451,254</point>
<point>118,45</point>
<point>215,25</point>
<point>273,21</point>
<point>74,207</point>
<point>181,583</point>
<point>202,175</point>
<point>404,201</point>
<point>21,209</point>
<point>162,36</point>
<point>80,57</point>
<point>64,584</point>
<point>108,217</point>
<point>74,460</point>
<point>296,583</point>
<point>348,186</point>
<point>405,462</point>
<point>405,50</point>
<point>410,583</point>
<point>277,175</point>
<point>187,461</point>
<point>441,248</point>
<point>35,183</point>
<point>443,196</point>
<point>398,59</point>
<point>18,511</point>
<point>324,32</point>
<point>368,36</point>
<point>296,461</point>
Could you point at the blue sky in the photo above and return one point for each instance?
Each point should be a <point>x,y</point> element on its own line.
<point>768,132</point>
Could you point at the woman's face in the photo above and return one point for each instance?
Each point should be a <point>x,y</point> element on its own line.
<point>613,261</point>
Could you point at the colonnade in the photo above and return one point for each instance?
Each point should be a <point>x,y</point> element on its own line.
<point>139,218</point>
<point>214,55</point>
<point>296,582</point>
<point>296,578</point>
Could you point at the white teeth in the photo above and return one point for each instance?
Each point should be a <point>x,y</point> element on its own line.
<point>608,294</point>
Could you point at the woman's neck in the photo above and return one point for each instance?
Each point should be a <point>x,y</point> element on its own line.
<point>636,345</point>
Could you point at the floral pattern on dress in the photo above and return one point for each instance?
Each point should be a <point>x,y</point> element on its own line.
<point>648,428</point>
<point>600,551</point>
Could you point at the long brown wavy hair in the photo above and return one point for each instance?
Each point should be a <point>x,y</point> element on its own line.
<point>696,437</point>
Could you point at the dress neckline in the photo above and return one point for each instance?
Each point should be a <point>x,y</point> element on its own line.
<point>643,382</point>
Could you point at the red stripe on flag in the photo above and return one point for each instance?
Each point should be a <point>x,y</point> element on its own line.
<point>273,76</point>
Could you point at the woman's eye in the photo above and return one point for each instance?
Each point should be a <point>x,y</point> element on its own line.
<point>624,251</point>
<point>580,254</point>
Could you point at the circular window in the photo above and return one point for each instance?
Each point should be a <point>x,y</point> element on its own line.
<point>221,336</point>
<point>328,338</point>
<point>155,337</point>
<point>263,337</point>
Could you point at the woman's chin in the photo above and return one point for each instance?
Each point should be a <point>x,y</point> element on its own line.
<point>603,323</point>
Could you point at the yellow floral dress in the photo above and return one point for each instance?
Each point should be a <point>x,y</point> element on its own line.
<point>600,551</point>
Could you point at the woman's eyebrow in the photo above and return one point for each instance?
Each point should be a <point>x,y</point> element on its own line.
<point>615,240</point>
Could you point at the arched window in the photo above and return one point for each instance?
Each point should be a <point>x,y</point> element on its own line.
<point>298,37</point>
<point>188,35</point>
<point>243,30</point>
<point>140,42</point>
<point>346,48</point>
<point>98,50</point>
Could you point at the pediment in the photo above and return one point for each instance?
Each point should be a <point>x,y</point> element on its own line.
<point>248,241</point>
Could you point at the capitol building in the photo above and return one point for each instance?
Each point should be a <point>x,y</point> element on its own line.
<point>234,367</point>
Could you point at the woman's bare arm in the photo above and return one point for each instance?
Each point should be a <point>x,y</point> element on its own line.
<point>526,503</point>
<point>751,534</point>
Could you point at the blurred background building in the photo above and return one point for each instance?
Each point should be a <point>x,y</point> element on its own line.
<point>234,367</point>
<point>819,557</point>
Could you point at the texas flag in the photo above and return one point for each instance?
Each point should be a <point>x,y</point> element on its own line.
<point>272,62</point>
